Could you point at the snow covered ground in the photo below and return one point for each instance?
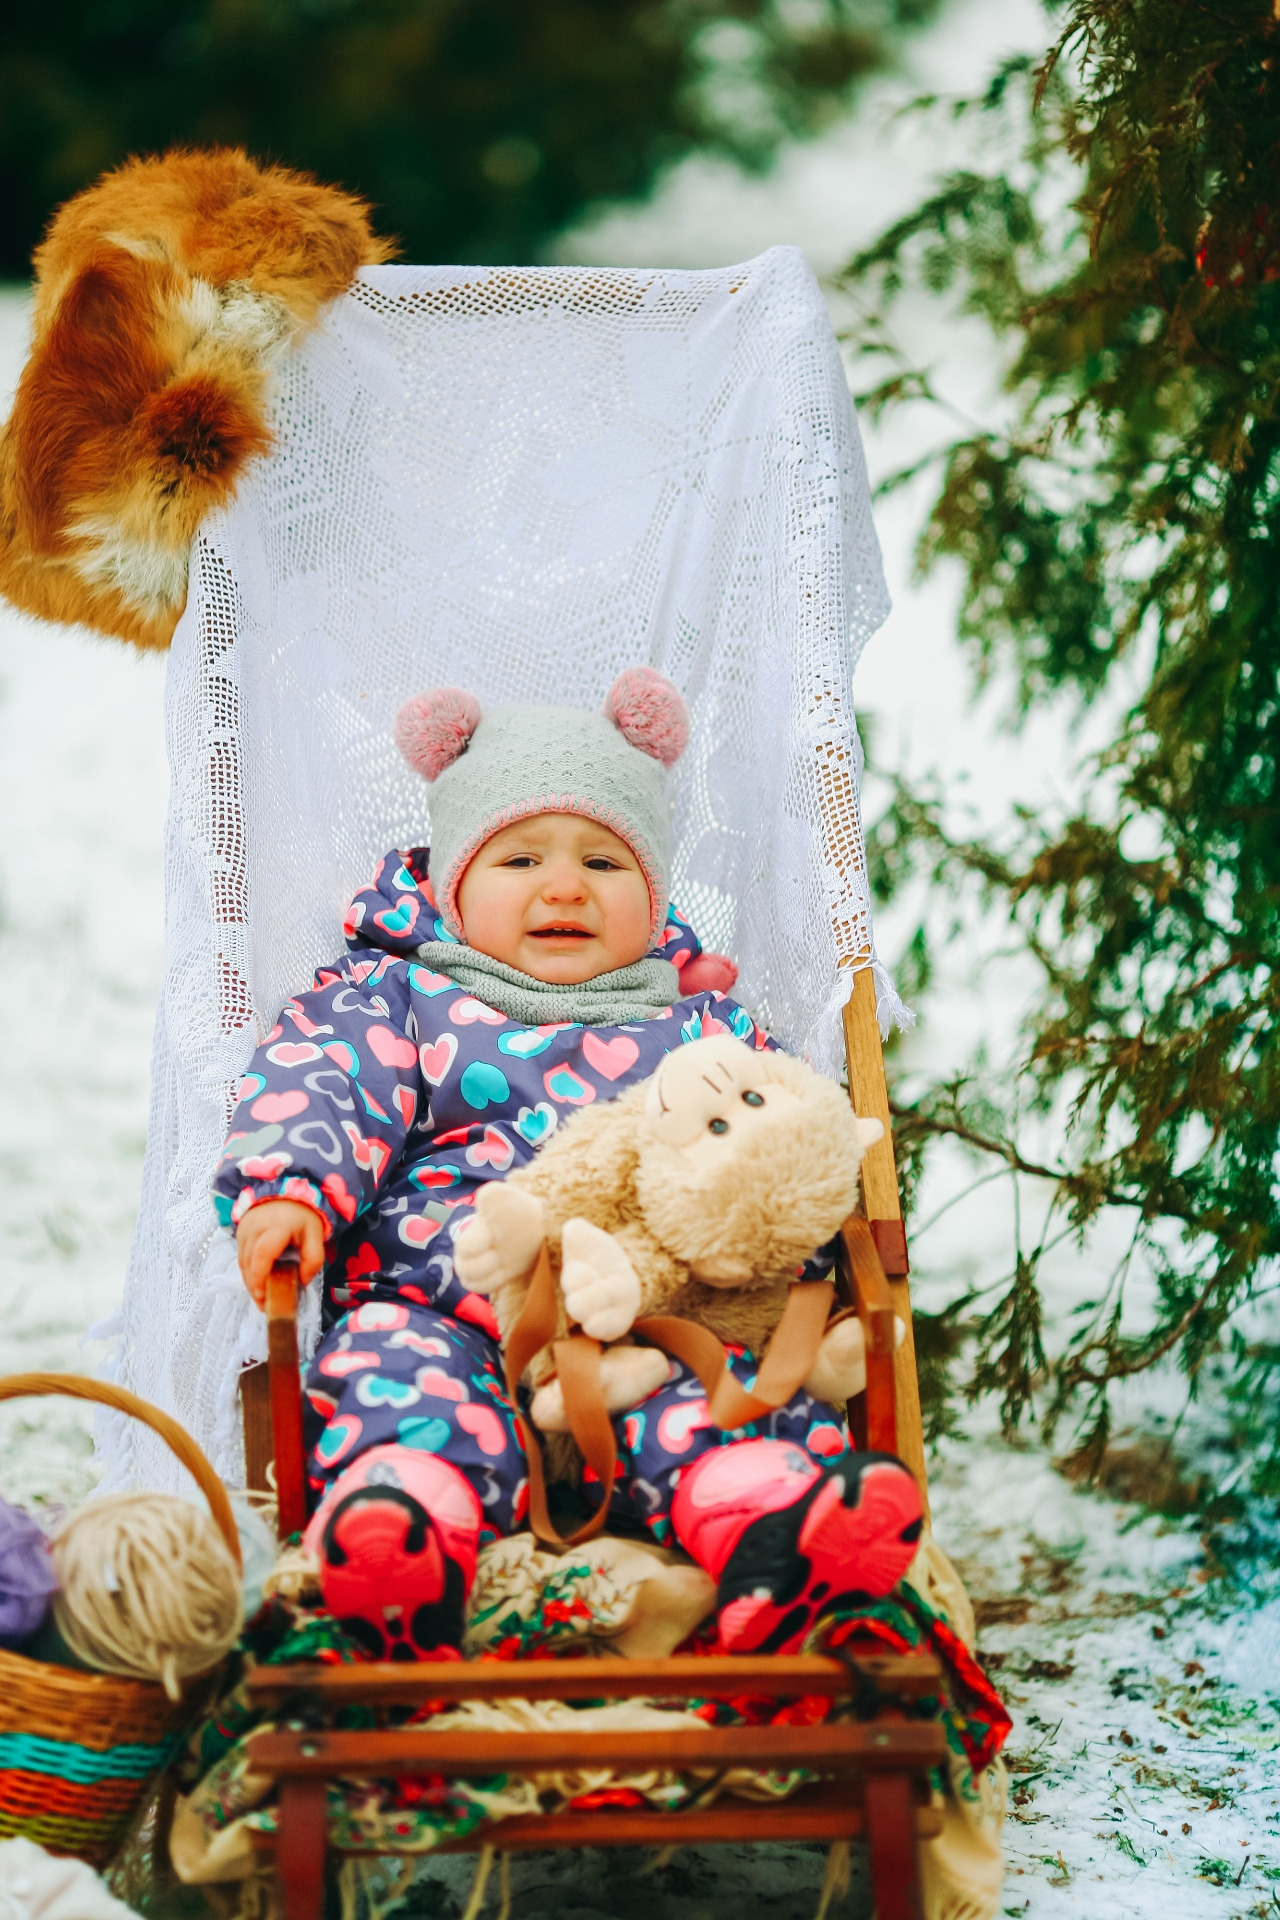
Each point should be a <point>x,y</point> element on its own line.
<point>82,798</point>
<point>1146,1754</point>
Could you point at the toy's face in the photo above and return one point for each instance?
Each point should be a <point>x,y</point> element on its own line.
<point>707,1100</point>
<point>705,1097</point>
<point>754,1160</point>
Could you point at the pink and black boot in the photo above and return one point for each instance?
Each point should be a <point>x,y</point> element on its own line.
<point>787,1538</point>
<point>396,1536</point>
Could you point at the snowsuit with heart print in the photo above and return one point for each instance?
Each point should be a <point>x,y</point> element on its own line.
<point>384,1097</point>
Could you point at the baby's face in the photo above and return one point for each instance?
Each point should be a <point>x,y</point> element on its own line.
<point>557,896</point>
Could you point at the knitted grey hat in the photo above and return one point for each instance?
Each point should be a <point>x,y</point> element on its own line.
<point>487,771</point>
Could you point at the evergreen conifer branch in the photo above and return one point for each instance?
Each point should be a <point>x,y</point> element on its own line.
<point>1128,509</point>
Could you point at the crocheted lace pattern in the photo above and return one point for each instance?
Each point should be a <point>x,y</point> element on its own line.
<point>517,481</point>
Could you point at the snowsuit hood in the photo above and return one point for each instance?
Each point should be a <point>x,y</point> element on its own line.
<point>397,912</point>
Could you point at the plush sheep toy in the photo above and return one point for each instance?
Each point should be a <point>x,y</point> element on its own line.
<point>700,1193</point>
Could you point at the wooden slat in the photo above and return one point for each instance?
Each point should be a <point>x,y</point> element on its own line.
<point>870,1093</point>
<point>824,1812</point>
<point>875,1309</point>
<point>286,1398</point>
<point>855,1746</point>
<point>304,1834</point>
<point>895,1862</point>
<point>782,1677</point>
<point>255,1414</point>
<point>870,1096</point>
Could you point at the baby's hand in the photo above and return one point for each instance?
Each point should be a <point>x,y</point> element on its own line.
<point>265,1233</point>
<point>500,1242</point>
<point>600,1286</point>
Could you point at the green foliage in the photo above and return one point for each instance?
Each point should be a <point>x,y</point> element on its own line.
<point>1128,512</point>
<point>478,128</point>
<point>939,1338</point>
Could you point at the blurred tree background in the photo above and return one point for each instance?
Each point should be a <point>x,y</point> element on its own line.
<point>1117,537</point>
<point>478,128</point>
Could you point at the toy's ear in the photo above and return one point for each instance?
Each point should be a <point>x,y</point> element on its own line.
<point>649,712</point>
<point>868,1132</point>
<point>434,727</point>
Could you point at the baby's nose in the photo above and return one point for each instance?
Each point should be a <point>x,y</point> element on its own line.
<point>563,880</point>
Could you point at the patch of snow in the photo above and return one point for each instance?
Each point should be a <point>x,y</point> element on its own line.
<point>82,795</point>
<point>1145,1756</point>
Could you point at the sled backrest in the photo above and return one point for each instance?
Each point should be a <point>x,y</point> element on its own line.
<point>518,481</point>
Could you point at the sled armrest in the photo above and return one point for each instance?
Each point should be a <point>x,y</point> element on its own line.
<point>871,1297</point>
<point>286,1395</point>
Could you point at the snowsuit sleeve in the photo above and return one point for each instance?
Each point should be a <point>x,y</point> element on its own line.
<point>678,943</point>
<point>325,1110</point>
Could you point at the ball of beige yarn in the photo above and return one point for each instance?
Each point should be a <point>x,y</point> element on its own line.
<point>149,1589</point>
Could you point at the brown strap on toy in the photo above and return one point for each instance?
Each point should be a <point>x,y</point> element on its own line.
<point>791,1353</point>
<point>578,1366</point>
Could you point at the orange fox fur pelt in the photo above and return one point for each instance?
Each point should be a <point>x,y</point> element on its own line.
<point>164,295</point>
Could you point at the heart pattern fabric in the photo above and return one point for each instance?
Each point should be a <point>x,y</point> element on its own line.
<point>536,1124</point>
<point>437,1057</point>
<point>609,1058</point>
<point>393,1372</point>
<point>493,1149</point>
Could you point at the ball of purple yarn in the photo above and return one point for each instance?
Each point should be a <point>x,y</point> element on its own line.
<point>27,1578</point>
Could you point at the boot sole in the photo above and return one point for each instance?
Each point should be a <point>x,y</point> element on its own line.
<point>849,1537</point>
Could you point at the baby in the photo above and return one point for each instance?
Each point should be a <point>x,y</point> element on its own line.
<point>531,965</point>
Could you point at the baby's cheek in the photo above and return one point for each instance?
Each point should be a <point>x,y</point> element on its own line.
<point>490,908</point>
<point>628,915</point>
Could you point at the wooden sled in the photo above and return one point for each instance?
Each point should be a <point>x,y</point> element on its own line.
<point>881,1763</point>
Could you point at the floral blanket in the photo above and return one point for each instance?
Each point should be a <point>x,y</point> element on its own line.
<point>527,1604</point>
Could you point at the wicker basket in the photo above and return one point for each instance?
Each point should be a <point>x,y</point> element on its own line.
<point>78,1749</point>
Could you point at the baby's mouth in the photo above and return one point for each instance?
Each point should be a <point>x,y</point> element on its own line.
<point>561,933</point>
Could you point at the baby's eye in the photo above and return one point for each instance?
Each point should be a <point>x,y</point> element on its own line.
<point>717,1126</point>
<point>752,1099</point>
<point>601,863</point>
<point>520,860</point>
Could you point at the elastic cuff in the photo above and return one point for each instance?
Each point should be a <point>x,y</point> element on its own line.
<point>289,1187</point>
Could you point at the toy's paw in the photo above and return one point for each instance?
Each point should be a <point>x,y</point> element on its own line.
<point>840,1369</point>
<point>628,1375</point>
<point>546,1409</point>
<point>600,1286</point>
<point>501,1240</point>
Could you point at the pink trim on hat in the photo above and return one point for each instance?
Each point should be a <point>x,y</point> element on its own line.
<point>447,890</point>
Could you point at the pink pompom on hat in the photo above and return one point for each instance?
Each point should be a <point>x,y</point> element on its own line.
<point>433,728</point>
<point>487,770</point>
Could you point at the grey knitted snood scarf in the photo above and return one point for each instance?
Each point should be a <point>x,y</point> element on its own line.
<point>614,999</point>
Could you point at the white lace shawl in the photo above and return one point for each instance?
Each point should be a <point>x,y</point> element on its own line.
<point>518,481</point>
